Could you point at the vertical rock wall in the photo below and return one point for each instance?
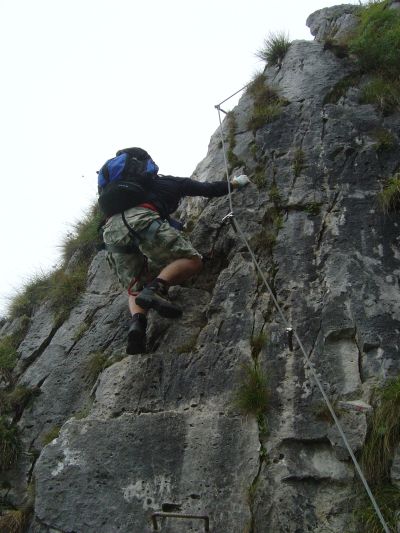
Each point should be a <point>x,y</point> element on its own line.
<point>161,431</point>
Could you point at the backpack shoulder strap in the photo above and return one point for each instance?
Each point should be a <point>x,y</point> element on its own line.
<point>106,172</point>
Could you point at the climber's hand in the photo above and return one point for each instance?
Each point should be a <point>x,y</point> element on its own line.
<point>241,181</point>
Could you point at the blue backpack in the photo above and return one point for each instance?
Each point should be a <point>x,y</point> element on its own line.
<point>125,180</point>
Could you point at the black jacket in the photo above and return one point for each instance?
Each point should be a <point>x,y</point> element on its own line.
<point>167,191</point>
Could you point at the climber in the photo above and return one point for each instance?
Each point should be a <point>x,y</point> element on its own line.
<point>144,246</point>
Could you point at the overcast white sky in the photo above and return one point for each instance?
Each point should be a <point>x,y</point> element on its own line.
<point>84,78</point>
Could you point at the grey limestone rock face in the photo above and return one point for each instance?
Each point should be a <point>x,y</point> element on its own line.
<point>41,330</point>
<point>333,23</point>
<point>308,71</point>
<point>162,430</point>
<point>139,464</point>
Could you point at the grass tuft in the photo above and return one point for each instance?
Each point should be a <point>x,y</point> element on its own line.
<point>274,194</point>
<point>188,346</point>
<point>8,357</point>
<point>388,500</point>
<point>267,105</point>
<point>264,114</point>
<point>252,396</point>
<point>313,209</point>
<point>61,287</point>
<point>260,179</point>
<point>298,162</point>
<point>95,366</point>
<point>341,88</point>
<point>275,48</point>
<point>83,237</point>
<point>389,197</point>
<point>257,343</point>
<point>14,402</point>
<point>10,444</point>
<point>32,294</point>
<point>384,434</point>
<point>51,435</point>
<point>233,160</point>
<point>15,520</point>
<point>384,139</point>
<point>384,94</point>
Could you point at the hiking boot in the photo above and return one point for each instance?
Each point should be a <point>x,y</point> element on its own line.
<point>137,335</point>
<point>155,296</point>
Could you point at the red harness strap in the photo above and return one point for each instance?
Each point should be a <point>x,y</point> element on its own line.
<point>148,206</point>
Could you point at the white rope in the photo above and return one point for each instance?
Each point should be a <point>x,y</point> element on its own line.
<point>285,321</point>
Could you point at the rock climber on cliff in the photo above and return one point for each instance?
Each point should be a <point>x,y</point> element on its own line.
<point>144,246</point>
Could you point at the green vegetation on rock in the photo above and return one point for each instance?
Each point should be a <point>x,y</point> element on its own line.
<point>267,105</point>
<point>51,435</point>
<point>275,48</point>
<point>83,238</point>
<point>233,159</point>
<point>15,400</point>
<point>298,162</point>
<point>388,499</point>
<point>377,40</point>
<point>63,286</point>
<point>377,456</point>
<point>385,140</point>
<point>8,356</point>
<point>384,434</point>
<point>15,520</point>
<point>257,343</point>
<point>389,197</point>
<point>10,444</point>
<point>385,94</point>
<point>252,396</point>
<point>376,44</point>
<point>340,89</point>
<point>97,363</point>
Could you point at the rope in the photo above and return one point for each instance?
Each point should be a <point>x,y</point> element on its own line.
<point>285,321</point>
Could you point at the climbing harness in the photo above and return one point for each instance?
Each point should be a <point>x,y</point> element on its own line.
<point>289,329</point>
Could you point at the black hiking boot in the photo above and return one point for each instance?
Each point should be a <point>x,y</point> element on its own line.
<point>137,335</point>
<point>155,296</point>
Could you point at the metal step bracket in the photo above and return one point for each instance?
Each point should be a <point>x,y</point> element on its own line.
<point>154,517</point>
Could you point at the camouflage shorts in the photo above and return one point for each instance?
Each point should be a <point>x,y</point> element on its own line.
<point>166,245</point>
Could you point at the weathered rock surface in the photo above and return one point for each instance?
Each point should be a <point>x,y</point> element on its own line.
<point>161,431</point>
<point>334,23</point>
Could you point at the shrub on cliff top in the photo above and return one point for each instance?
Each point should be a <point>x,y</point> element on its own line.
<point>377,40</point>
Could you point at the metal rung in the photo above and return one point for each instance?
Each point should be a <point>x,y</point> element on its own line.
<point>176,515</point>
<point>229,217</point>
